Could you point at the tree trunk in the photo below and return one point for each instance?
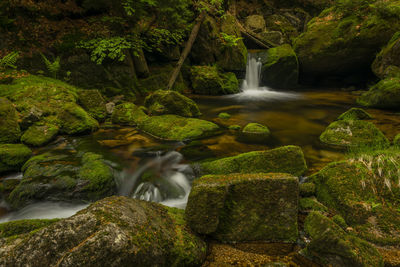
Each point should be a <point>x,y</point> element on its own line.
<point>253,36</point>
<point>142,70</point>
<point>186,51</point>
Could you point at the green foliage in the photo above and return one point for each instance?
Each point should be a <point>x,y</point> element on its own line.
<point>230,40</point>
<point>52,67</point>
<point>156,38</point>
<point>9,60</point>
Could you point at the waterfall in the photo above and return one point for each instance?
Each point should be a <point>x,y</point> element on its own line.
<point>253,73</point>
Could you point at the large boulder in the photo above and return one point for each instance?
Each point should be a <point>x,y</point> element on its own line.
<point>115,231</point>
<point>385,94</point>
<point>355,114</point>
<point>170,102</point>
<point>353,133</point>
<point>9,127</point>
<point>93,102</point>
<point>245,207</point>
<point>207,80</point>
<point>288,159</point>
<point>40,134</point>
<point>389,57</point>
<point>255,23</point>
<point>344,39</point>
<point>13,156</point>
<point>331,246</point>
<point>280,68</point>
<point>128,114</point>
<point>364,190</point>
<point>63,178</point>
<point>75,120</point>
<point>176,128</point>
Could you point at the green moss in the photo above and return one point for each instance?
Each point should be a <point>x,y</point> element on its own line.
<point>387,61</point>
<point>224,115</point>
<point>171,102</point>
<point>288,159</point>
<point>9,127</point>
<point>235,127</point>
<point>396,140</point>
<point>311,204</point>
<point>206,80</point>
<point>307,189</point>
<point>340,221</point>
<point>385,94</point>
<point>172,127</point>
<point>255,133</point>
<point>93,102</point>
<point>13,156</point>
<point>128,114</point>
<point>39,135</point>
<point>355,114</point>
<point>13,228</point>
<point>76,120</point>
<point>353,133</point>
<point>159,78</point>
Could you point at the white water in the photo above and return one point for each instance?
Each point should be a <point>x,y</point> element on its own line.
<point>170,181</point>
<point>252,88</point>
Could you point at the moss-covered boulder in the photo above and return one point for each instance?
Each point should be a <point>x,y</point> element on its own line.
<point>9,127</point>
<point>385,94</point>
<point>207,80</point>
<point>93,102</point>
<point>345,38</point>
<point>280,67</point>
<point>13,156</point>
<point>287,159</point>
<point>224,116</point>
<point>389,57</point>
<point>255,133</point>
<point>128,114</point>
<point>307,189</point>
<point>364,190</point>
<point>114,231</point>
<point>40,134</point>
<point>330,245</point>
<point>308,204</point>
<point>255,23</point>
<point>63,178</point>
<point>353,133</point>
<point>245,207</point>
<point>355,114</point>
<point>15,228</point>
<point>176,128</point>
<point>171,102</point>
<point>75,120</point>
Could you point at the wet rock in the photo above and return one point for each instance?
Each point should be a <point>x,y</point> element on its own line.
<point>355,114</point>
<point>170,102</point>
<point>307,189</point>
<point>331,245</point>
<point>9,127</point>
<point>353,133</point>
<point>385,94</point>
<point>30,117</point>
<point>388,58</point>
<point>274,37</point>
<point>14,228</point>
<point>176,128</point>
<point>229,207</point>
<point>13,156</point>
<point>115,231</point>
<point>39,135</point>
<point>255,133</point>
<point>128,114</point>
<point>93,102</point>
<point>255,23</point>
<point>207,80</point>
<point>110,108</point>
<point>288,159</point>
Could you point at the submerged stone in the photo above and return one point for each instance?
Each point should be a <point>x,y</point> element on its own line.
<point>355,114</point>
<point>39,135</point>
<point>75,120</point>
<point>13,156</point>
<point>255,133</point>
<point>93,102</point>
<point>353,133</point>
<point>245,207</point>
<point>287,159</point>
<point>171,102</point>
<point>115,231</point>
<point>9,127</point>
<point>385,94</point>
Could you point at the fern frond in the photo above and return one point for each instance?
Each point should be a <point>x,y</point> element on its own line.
<point>52,67</point>
<point>9,60</point>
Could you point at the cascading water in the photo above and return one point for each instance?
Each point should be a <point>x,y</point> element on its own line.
<point>162,179</point>
<point>253,73</point>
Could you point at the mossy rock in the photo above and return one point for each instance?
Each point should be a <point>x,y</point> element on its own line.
<point>224,115</point>
<point>128,114</point>
<point>14,228</point>
<point>170,102</point>
<point>75,120</point>
<point>385,94</point>
<point>39,135</point>
<point>113,231</point>
<point>245,207</point>
<point>207,80</point>
<point>93,102</point>
<point>355,114</point>
<point>308,204</point>
<point>235,127</point>
<point>330,245</point>
<point>353,133</point>
<point>176,128</point>
<point>307,189</point>
<point>9,127</point>
<point>280,67</point>
<point>364,190</point>
<point>255,133</point>
<point>255,23</point>
<point>287,159</point>
<point>388,57</point>
<point>13,156</point>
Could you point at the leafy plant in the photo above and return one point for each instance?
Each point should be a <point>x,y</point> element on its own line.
<point>230,40</point>
<point>52,67</point>
<point>9,60</point>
